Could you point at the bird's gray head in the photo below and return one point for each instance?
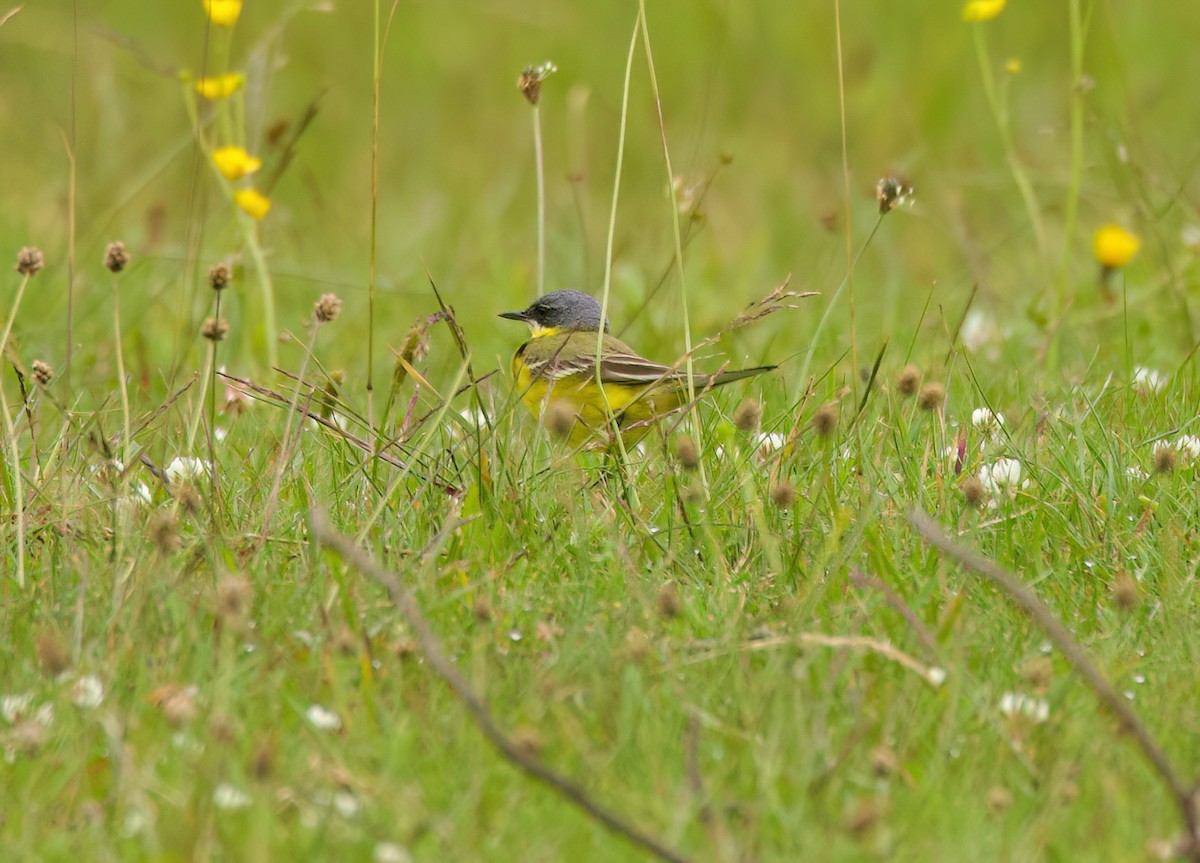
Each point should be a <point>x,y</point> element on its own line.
<point>561,310</point>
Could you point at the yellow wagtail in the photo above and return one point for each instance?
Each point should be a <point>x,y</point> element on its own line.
<point>558,365</point>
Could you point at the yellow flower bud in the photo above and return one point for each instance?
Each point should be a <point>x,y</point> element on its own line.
<point>234,162</point>
<point>223,12</point>
<point>252,202</point>
<point>222,86</point>
<point>982,10</point>
<point>1114,247</point>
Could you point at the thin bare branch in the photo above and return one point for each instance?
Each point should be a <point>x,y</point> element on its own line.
<point>1009,584</point>
<point>431,648</point>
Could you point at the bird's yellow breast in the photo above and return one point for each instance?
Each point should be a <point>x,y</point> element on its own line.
<point>634,406</point>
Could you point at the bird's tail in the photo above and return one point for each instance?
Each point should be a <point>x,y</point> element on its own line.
<point>722,378</point>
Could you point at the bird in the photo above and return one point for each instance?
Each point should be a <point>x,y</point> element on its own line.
<point>555,374</point>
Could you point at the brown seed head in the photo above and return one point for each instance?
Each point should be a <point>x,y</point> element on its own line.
<point>188,497</point>
<point>668,604</point>
<point>482,610</point>
<point>214,329</point>
<point>43,373</point>
<point>116,257</point>
<point>783,494</point>
<point>527,740</point>
<point>53,652</point>
<point>223,728</point>
<point>234,594</point>
<point>179,705</point>
<point>263,763</point>
<point>863,818</point>
<point>327,308</point>
<point>30,260</point>
<point>884,761</point>
<point>686,452</point>
<point>748,416</point>
<point>908,381</point>
<point>219,276</point>
<point>560,418</point>
<point>1038,673</point>
<point>932,397</point>
<point>1165,458</point>
<point>825,420</point>
<point>164,533</point>
<point>530,81</point>
<point>1125,592</point>
<point>891,192</point>
<point>999,799</point>
<point>973,491</point>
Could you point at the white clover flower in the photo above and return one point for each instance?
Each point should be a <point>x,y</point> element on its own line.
<point>229,797</point>
<point>87,692</point>
<point>323,719</point>
<point>1188,446</point>
<point>186,468</point>
<point>390,852</point>
<point>1136,473</point>
<point>15,707</point>
<point>1148,381</point>
<point>1002,477</point>
<point>1018,704</point>
<point>345,804</point>
<point>1190,235</point>
<point>766,443</point>
<point>474,418</point>
<point>978,330</point>
<point>988,422</point>
<point>935,675</point>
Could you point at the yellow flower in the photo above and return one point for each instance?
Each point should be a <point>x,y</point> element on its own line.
<point>234,162</point>
<point>982,10</point>
<point>1114,247</point>
<point>252,202</point>
<point>222,86</point>
<point>1013,66</point>
<point>223,12</point>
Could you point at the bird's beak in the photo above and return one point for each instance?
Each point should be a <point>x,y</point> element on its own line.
<point>514,316</point>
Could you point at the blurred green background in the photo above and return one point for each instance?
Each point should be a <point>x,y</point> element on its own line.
<point>752,82</point>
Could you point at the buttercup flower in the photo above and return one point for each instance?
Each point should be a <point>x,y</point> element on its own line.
<point>223,12</point>
<point>982,10</point>
<point>222,86</point>
<point>1114,247</point>
<point>235,162</point>
<point>252,202</point>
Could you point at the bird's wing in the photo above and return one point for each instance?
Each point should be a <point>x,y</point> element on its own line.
<point>628,368</point>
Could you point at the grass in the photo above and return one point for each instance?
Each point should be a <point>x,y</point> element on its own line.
<point>759,658</point>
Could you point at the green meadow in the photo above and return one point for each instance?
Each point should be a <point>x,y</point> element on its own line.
<point>971,247</point>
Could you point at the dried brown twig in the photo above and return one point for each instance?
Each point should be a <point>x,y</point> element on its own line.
<point>430,646</point>
<point>1186,798</point>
